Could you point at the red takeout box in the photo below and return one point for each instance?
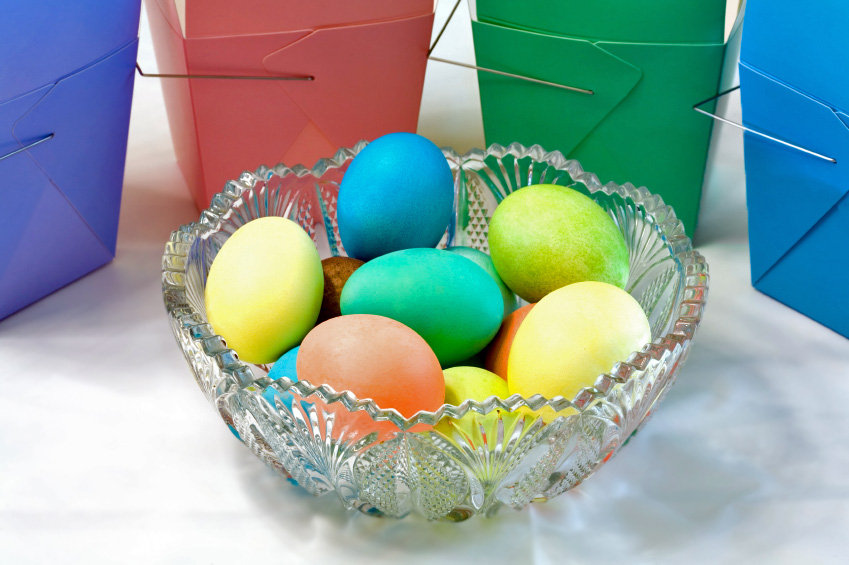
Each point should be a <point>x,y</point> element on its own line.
<point>366,58</point>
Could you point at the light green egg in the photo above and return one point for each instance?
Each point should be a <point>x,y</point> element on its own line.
<point>544,237</point>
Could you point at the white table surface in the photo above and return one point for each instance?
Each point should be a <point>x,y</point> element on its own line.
<point>110,454</point>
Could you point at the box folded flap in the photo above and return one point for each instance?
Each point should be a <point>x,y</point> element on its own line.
<point>47,241</point>
<point>565,61</point>
<point>44,40</point>
<point>639,125</point>
<point>788,202</point>
<point>346,101</point>
<point>49,247</point>
<point>362,88</point>
<point>236,124</point>
<point>801,44</point>
<point>813,270</point>
<point>22,178</point>
<point>88,114</point>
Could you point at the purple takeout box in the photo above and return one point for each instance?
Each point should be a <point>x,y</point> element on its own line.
<point>66,84</point>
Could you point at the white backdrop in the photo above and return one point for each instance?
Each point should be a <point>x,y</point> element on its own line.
<point>109,452</point>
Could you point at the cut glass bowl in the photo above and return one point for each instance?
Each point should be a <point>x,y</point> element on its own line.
<point>460,460</point>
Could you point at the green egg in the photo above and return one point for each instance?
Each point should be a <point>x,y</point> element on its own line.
<point>448,300</point>
<point>544,237</point>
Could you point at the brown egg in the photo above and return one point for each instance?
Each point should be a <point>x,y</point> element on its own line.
<point>498,350</point>
<point>337,270</point>
<point>373,357</point>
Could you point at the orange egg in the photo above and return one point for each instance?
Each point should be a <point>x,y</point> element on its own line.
<point>373,357</point>
<point>498,350</point>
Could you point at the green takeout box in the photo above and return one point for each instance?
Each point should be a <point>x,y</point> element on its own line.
<point>646,62</point>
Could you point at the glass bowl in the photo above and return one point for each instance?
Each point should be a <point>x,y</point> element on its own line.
<point>462,460</point>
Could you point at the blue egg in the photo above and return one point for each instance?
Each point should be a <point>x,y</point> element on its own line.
<point>398,193</point>
<point>284,367</point>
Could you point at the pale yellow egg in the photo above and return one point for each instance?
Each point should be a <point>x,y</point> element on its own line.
<point>264,289</point>
<point>572,336</point>
<point>472,383</point>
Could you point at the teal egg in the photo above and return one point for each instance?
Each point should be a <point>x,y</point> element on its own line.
<point>448,300</point>
<point>484,261</point>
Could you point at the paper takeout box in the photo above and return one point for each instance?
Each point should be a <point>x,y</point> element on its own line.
<point>367,80</point>
<point>66,78</point>
<point>793,88</point>
<point>647,63</point>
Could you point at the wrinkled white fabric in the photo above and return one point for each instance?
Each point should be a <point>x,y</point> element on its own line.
<point>109,452</point>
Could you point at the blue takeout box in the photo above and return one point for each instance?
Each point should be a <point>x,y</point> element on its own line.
<point>794,88</point>
<point>66,81</point>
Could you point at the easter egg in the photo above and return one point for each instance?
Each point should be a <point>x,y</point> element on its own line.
<point>498,350</point>
<point>264,289</point>
<point>572,336</point>
<point>472,383</point>
<point>484,261</point>
<point>545,237</point>
<point>397,193</point>
<point>373,357</point>
<point>447,299</point>
<point>337,270</point>
<point>283,367</point>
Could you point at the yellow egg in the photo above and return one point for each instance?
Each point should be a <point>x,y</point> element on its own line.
<point>264,289</point>
<point>464,383</point>
<point>572,336</point>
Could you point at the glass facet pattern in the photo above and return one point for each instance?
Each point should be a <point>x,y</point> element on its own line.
<point>459,461</point>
